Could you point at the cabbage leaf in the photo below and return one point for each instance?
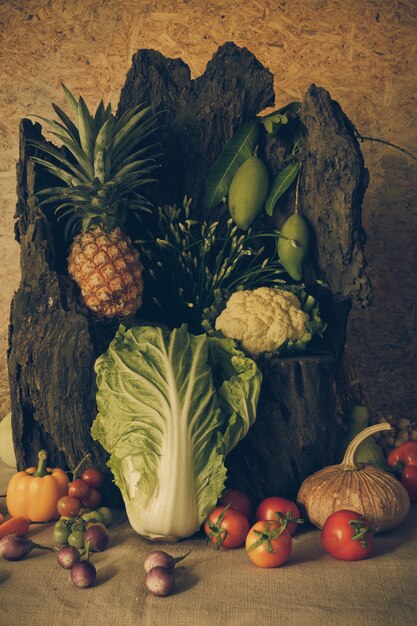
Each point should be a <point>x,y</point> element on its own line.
<point>171,405</point>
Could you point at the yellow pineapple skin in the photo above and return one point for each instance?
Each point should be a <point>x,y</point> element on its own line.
<point>107,269</point>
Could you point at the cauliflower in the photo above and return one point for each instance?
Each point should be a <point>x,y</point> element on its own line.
<point>263,319</point>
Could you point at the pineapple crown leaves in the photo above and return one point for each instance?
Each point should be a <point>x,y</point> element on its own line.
<point>110,159</point>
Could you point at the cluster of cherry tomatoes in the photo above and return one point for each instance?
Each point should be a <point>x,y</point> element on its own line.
<point>82,493</point>
<point>346,535</point>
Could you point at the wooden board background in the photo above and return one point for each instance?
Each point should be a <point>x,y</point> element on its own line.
<point>362,51</point>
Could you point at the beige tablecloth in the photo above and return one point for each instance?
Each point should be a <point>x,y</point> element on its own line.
<point>216,588</point>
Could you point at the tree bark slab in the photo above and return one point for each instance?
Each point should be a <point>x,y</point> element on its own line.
<point>54,340</point>
<point>294,431</point>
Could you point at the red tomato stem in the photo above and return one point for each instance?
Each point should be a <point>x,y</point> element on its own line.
<point>75,471</point>
<point>216,531</point>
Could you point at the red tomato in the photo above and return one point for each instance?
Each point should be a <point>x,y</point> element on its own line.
<point>404,460</point>
<point>68,506</point>
<point>226,528</point>
<point>78,489</point>
<point>347,535</point>
<point>238,501</point>
<point>268,544</point>
<point>92,499</point>
<point>271,508</point>
<point>93,477</point>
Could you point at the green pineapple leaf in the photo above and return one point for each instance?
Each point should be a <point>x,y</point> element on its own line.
<point>68,124</point>
<point>71,100</point>
<point>86,128</point>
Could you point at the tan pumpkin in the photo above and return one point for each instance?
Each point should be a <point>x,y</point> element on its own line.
<point>366,489</point>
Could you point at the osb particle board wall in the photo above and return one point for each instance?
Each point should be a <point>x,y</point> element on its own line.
<point>362,51</point>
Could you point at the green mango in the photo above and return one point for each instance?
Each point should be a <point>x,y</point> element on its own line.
<point>248,191</point>
<point>293,245</point>
<point>369,451</point>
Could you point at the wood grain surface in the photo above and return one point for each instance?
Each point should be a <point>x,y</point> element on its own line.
<point>361,51</point>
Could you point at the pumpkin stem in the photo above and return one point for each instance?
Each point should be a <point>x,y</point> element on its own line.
<point>348,462</point>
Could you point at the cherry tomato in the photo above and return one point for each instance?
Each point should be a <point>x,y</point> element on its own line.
<point>68,506</point>
<point>226,528</point>
<point>61,534</point>
<point>106,515</point>
<point>76,539</point>
<point>78,489</point>
<point>93,499</point>
<point>347,535</point>
<point>93,477</point>
<point>268,544</point>
<point>275,508</point>
<point>404,460</point>
<point>238,500</point>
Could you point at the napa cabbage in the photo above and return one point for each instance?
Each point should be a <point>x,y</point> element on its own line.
<point>171,405</point>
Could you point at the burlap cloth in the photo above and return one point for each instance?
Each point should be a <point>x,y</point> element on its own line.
<point>216,588</point>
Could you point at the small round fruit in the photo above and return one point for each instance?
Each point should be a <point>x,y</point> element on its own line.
<point>93,477</point>
<point>76,539</point>
<point>275,509</point>
<point>61,534</point>
<point>226,528</point>
<point>238,500</point>
<point>93,499</point>
<point>68,506</point>
<point>98,536</point>
<point>106,515</point>
<point>347,535</point>
<point>67,557</point>
<point>268,544</point>
<point>92,516</point>
<point>83,574</point>
<point>160,581</point>
<point>78,489</point>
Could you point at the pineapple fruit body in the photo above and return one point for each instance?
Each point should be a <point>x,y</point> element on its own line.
<point>108,272</point>
<point>108,160</point>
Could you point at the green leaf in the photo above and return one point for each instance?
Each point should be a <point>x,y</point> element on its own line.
<point>78,153</point>
<point>237,150</point>
<point>62,160</point>
<point>282,182</point>
<point>273,122</point>
<point>86,128</point>
<point>68,178</point>
<point>71,100</point>
<point>70,127</point>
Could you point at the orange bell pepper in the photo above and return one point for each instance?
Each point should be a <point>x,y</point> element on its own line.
<point>34,493</point>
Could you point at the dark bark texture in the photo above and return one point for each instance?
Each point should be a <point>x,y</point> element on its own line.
<point>54,340</point>
<point>294,431</point>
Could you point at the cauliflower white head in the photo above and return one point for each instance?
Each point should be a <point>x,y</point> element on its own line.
<point>263,319</point>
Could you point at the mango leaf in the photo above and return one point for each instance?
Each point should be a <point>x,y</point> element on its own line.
<point>238,149</point>
<point>273,121</point>
<point>282,182</point>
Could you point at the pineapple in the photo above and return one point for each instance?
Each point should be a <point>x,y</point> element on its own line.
<point>110,160</point>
